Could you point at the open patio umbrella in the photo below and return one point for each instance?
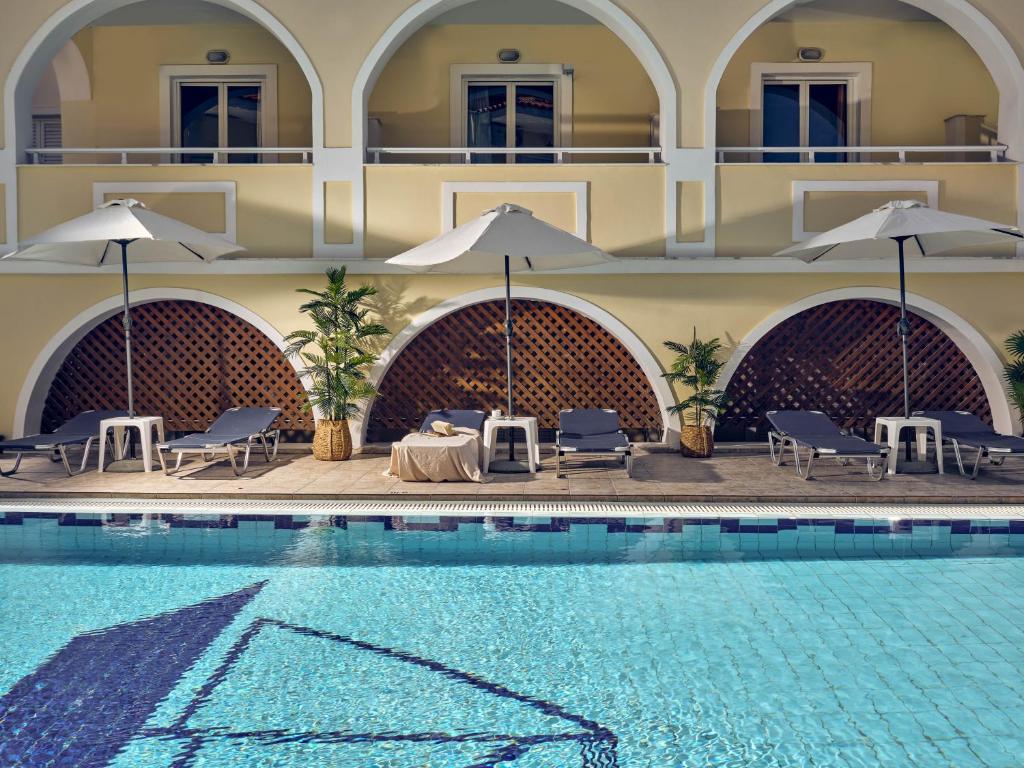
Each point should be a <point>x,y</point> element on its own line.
<point>896,227</point>
<point>91,240</point>
<point>507,237</point>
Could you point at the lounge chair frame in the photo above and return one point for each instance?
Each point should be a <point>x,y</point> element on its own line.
<point>209,452</point>
<point>57,449</point>
<point>982,451</point>
<point>779,442</point>
<point>623,453</point>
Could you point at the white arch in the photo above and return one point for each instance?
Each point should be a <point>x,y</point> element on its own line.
<point>53,33</point>
<point>975,347</point>
<point>648,364</point>
<point>970,23</point>
<point>32,398</point>
<point>605,11</point>
<point>72,74</point>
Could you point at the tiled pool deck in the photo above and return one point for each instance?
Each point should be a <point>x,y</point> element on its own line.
<point>732,476</point>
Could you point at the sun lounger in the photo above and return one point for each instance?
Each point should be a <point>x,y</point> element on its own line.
<point>964,430</point>
<point>816,432</point>
<point>79,430</point>
<point>429,456</point>
<point>233,429</point>
<point>591,432</point>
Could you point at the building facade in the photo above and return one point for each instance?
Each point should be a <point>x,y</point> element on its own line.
<point>690,139</point>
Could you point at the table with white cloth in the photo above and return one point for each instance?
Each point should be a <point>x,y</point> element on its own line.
<point>427,456</point>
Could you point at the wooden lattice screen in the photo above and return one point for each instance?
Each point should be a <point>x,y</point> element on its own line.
<point>191,361</point>
<point>844,358</point>
<point>562,359</point>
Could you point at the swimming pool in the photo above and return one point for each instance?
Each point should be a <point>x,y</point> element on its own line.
<point>194,641</point>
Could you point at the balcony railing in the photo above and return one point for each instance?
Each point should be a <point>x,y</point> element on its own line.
<point>135,155</point>
<point>559,154</point>
<point>992,152</point>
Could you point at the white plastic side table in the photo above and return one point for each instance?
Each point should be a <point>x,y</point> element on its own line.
<point>526,423</point>
<point>893,425</point>
<point>145,426</point>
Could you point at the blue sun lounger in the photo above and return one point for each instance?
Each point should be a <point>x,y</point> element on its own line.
<point>463,419</point>
<point>962,429</point>
<point>234,429</point>
<point>79,430</point>
<point>591,432</point>
<point>817,433</point>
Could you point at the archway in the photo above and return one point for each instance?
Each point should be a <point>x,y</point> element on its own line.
<point>604,11</point>
<point>976,28</point>
<point>612,367</point>
<point>837,351</point>
<point>186,343</point>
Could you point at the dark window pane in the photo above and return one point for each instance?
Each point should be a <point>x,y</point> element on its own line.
<point>826,120</point>
<point>487,120</point>
<point>781,121</point>
<point>535,121</point>
<point>198,105</point>
<point>244,107</point>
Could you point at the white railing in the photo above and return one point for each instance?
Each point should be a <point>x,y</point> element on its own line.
<point>165,154</point>
<point>995,152</point>
<point>558,153</point>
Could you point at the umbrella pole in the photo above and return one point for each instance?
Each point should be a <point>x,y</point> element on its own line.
<point>508,354</point>
<point>126,321</point>
<point>904,332</point>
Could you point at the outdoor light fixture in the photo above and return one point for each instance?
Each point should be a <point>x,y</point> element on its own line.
<point>810,54</point>
<point>508,55</point>
<point>218,57</point>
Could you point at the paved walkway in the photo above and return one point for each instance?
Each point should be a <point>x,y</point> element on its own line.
<point>658,477</point>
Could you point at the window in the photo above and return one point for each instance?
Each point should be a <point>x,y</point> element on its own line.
<point>515,107</point>
<point>220,107</point>
<point>47,134</point>
<point>512,114</point>
<point>807,106</point>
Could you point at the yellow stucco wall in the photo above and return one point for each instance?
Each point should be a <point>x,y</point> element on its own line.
<point>755,202</point>
<point>655,307</point>
<point>922,72</point>
<point>626,203</point>
<point>274,203</point>
<point>127,60</point>
<point>612,96</point>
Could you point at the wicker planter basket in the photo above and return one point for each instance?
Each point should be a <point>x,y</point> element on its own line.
<point>697,442</point>
<point>332,440</point>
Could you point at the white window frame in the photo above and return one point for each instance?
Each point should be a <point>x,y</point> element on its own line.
<point>857,75</point>
<point>171,75</point>
<point>463,74</point>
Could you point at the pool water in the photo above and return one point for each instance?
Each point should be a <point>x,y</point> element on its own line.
<point>165,641</point>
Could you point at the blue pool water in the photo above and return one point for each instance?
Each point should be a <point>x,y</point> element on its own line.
<point>387,642</point>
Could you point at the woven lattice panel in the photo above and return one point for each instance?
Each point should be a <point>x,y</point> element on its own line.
<point>844,358</point>
<point>561,359</point>
<point>191,361</point>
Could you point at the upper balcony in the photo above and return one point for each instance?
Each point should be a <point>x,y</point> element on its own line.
<point>494,83</point>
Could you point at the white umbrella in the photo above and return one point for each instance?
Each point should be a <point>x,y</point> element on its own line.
<point>508,237</point>
<point>88,240</point>
<point>883,233</point>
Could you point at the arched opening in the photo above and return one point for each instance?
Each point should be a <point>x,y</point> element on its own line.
<point>192,361</point>
<point>579,41</point>
<point>838,352</point>
<point>562,359</point>
<point>929,60</point>
<point>567,350</point>
<point>275,99</point>
<point>209,336</point>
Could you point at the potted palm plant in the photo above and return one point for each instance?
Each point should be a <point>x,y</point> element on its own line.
<point>336,354</point>
<point>696,367</point>
<point>1014,371</point>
